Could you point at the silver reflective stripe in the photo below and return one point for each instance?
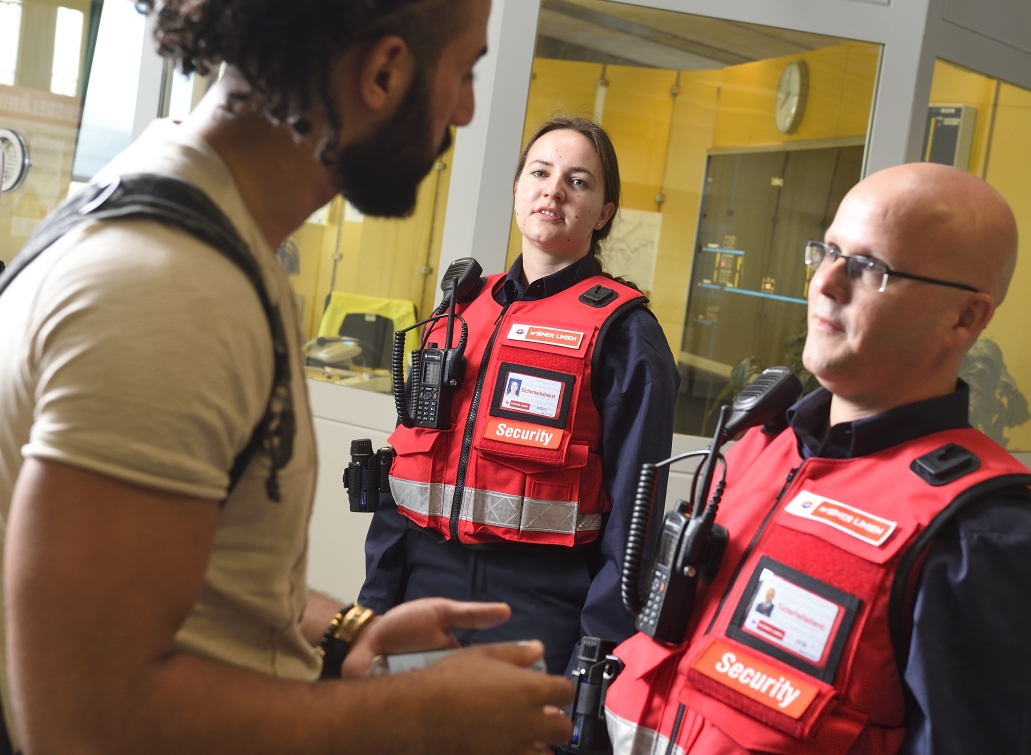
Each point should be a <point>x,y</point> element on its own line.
<point>488,507</point>
<point>426,498</point>
<point>585,522</point>
<point>494,509</point>
<point>540,515</point>
<point>530,514</point>
<point>630,739</point>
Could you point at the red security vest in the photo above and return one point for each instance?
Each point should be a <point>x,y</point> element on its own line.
<point>523,455</point>
<point>797,644</point>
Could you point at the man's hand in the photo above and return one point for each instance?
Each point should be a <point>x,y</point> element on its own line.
<point>419,625</point>
<point>489,702</point>
<point>485,699</point>
<point>120,567</point>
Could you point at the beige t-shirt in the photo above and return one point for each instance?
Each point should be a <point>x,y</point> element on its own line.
<point>133,350</point>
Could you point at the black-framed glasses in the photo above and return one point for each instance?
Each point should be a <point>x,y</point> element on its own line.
<point>868,271</point>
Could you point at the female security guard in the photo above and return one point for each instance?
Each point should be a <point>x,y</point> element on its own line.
<point>570,387</point>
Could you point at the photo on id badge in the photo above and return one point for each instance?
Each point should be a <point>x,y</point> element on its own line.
<point>532,395</point>
<point>794,618</point>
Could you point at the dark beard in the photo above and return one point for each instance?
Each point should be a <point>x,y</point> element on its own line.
<point>380,175</point>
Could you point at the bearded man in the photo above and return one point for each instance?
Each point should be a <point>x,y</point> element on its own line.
<point>136,361</point>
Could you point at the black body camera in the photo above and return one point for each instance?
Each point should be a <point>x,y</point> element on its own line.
<point>437,370</point>
<point>367,475</point>
<point>596,668</point>
<point>691,544</point>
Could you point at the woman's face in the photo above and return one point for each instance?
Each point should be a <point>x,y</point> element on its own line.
<point>560,196</point>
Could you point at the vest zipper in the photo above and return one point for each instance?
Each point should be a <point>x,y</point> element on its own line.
<point>751,545</point>
<point>470,426</point>
<point>672,747</point>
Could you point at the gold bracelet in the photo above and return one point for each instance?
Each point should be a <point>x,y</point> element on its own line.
<point>352,623</point>
<point>346,626</point>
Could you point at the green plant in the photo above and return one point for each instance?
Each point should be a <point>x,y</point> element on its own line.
<point>995,401</point>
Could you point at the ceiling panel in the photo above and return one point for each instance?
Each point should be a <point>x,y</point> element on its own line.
<point>665,39</point>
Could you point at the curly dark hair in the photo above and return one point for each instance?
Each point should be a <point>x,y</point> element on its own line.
<point>285,48</point>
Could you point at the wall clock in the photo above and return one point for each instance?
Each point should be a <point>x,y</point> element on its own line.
<point>16,159</point>
<point>792,93</point>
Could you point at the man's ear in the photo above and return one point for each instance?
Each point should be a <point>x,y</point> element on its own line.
<point>385,70</point>
<point>973,318</point>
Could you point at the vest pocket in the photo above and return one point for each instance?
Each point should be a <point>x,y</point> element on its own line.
<point>516,498</point>
<point>421,456</point>
<point>765,705</point>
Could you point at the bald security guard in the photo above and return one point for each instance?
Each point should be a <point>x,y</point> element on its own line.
<point>895,538</point>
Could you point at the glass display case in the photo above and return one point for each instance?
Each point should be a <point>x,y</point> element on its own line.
<point>735,143</point>
<point>749,285</point>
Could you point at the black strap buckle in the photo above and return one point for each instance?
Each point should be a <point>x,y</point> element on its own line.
<point>945,464</point>
<point>598,296</point>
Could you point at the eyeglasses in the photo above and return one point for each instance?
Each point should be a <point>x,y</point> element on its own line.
<point>868,271</point>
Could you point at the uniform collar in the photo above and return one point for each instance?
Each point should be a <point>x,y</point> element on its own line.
<point>810,415</point>
<point>512,290</point>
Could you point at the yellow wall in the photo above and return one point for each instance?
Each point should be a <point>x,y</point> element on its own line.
<point>1009,165</point>
<point>841,84</point>
<point>311,240</point>
<point>560,86</point>
<point>694,123</point>
<point>638,115</point>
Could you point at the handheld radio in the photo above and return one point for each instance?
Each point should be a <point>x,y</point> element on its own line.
<point>691,544</point>
<point>437,371</point>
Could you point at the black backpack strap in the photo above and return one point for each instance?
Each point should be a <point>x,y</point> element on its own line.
<point>178,203</point>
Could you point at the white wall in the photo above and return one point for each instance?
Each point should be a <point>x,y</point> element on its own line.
<point>336,535</point>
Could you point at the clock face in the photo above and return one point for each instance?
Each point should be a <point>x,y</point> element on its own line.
<point>16,159</point>
<point>791,96</point>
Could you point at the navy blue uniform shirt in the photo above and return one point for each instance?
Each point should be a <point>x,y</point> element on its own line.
<point>637,387</point>
<point>969,667</point>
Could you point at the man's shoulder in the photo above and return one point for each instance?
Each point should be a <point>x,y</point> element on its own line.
<point>148,354</point>
<point>145,262</point>
<point>140,292</point>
